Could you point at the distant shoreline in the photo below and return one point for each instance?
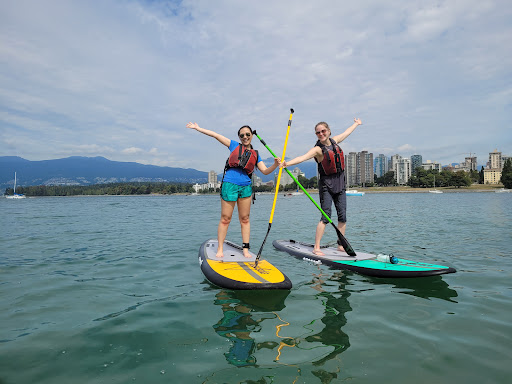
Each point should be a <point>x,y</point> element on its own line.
<point>476,188</point>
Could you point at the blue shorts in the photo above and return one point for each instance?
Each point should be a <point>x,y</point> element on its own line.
<point>233,192</point>
<point>340,203</point>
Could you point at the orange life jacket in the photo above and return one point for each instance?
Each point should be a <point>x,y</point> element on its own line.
<point>244,158</point>
<point>333,162</point>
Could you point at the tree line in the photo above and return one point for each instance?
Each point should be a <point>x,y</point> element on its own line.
<point>506,174</point>
<point>422,178</point>
<point>103,189</point>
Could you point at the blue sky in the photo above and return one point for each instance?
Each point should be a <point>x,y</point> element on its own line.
<point>121,79</point>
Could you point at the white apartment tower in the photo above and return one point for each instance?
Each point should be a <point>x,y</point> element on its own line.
<point>495,160</point>
<point>402,171</point>
<point>351,168</point>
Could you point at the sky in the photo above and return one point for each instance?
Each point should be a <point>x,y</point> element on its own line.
<point>122,78</point>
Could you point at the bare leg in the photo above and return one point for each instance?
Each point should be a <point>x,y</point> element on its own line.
<point>226,212</point>
<point>320,228</point>
<point>341,227</point>
<point>244,210</point>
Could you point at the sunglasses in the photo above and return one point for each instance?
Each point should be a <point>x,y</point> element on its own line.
<point>323,131</point>
<point>246,135</point>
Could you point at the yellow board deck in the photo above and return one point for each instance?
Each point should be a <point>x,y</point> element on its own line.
<point>234,271</point>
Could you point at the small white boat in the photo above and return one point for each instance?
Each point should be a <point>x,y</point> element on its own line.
<point>15,195</point>
<point>435,190</point>
<point>503,190</point>
<point>354,192</point>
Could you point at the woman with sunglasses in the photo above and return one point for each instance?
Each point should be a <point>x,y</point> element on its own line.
<point>237,182</point>
<point>331,183</point>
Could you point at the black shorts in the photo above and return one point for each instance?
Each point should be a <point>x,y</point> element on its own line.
<point>340,203</point>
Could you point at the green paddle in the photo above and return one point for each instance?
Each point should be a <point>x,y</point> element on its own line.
<point>341,239</point>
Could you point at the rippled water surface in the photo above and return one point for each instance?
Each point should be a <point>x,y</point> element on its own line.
<point>109,290</point>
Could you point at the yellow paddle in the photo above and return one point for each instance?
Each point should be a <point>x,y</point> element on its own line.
<point>277,189</point>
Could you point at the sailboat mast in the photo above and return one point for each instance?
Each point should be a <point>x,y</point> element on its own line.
<point>14,182</point>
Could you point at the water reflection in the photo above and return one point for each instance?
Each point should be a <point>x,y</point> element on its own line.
<point>424,287</point>
<point>237,322</point>
<point>320,329</point>
<point>334,298</point>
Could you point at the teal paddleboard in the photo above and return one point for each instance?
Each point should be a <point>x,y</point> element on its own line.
<point>363,263</point>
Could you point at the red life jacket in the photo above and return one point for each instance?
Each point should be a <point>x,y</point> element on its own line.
<point>244,158</point>
<point>333,162</point>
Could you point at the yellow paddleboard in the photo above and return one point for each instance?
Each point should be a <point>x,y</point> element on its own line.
<point>234,271</point>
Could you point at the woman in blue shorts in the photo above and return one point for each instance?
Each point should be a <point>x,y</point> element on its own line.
<point>237,182</point>
<point>331,183</point>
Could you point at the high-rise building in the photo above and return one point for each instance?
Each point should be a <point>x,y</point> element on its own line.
<point>212,180</point>
<point>394,159</point>
<point>495,160</point>
<point>351,168</point>
<point>364,168</point>
<point>416,161</point>
<point>380,167</point>
<point>359,168</point>
<point>469,164</point>
<point>212,177</point>
<point>402,171</point>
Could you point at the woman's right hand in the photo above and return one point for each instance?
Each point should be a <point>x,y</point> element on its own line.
<point>193,125</point>
<point>282,164</point>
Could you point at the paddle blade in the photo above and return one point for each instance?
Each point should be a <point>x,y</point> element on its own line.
<point>344,242</point>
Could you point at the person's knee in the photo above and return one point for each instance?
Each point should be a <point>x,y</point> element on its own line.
<point>244,219</point>
<point>225,219</point>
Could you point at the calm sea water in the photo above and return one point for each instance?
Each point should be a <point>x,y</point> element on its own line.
<point>109,290</point>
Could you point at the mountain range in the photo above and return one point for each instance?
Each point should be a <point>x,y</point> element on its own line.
<point>77,170</point>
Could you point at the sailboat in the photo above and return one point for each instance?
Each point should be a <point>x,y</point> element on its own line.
<point>15,195</point>
<point>435,190</point>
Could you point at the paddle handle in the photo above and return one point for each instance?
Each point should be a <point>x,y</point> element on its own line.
<point>278,184</point>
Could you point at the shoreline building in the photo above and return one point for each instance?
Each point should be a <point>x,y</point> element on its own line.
<point>212,183</point>
<point>392,161</point>
<point>432,165</point>
<point>212,180</point>
<point>402,170</point>
<point>364,168</point>
<point>470,163</point>
<point>492,174</point>
<point>285,177</point>
<point>416,161</point>
<point>359,168</point>
<point>351,168</point>
<point>495,160</point>
<point>380,167</point>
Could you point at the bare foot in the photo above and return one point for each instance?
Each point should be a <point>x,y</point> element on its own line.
<point>318,252</point>
<point>246,253</point>
<point>220,253</point>
<point>341,249</point>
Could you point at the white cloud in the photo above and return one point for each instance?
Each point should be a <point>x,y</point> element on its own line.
<point>120,79</point>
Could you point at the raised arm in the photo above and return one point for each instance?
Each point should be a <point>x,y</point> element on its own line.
<point>313,152</point>
<point>222,139</point>
<point>342,136</point>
